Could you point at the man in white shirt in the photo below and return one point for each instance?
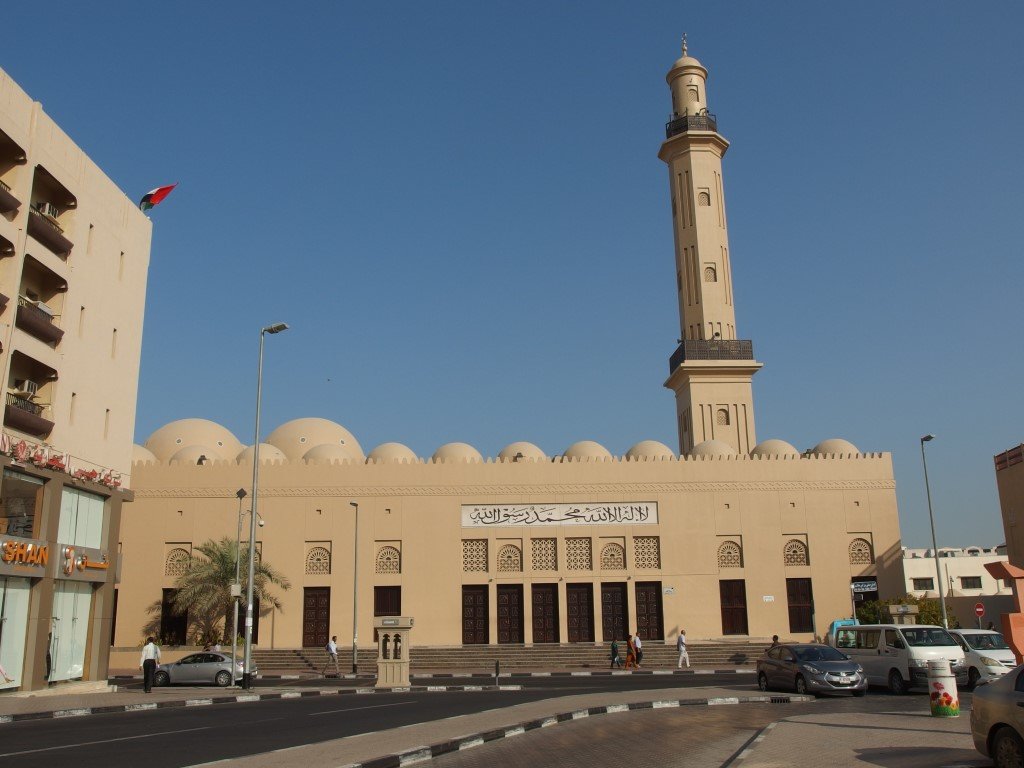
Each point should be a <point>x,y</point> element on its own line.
<point>332,655</point>
<point>639,649</point>
<point>681,647</point>
<point>149,663</point>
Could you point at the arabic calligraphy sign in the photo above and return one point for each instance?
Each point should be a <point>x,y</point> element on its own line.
<point>613,513</point>
<point>80,563</point>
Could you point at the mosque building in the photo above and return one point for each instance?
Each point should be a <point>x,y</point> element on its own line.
<point>728,537</point>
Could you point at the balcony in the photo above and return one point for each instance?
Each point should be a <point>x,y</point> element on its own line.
<point>717,349</point>
<point>37,322</point>
<point>6,247</point>
<point>8,202</point>
<point>49,234</point>
<point>684,123</point>
<point>3,302</point>
<point>25,416</point>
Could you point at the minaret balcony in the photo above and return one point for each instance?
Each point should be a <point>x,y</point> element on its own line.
<point>715,349</point>
<point>684,123</point>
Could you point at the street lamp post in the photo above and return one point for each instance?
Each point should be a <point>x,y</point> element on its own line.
<point>236,587</point>
<point>355,592</point>
<point>247,666</point>
<point>935,546</point>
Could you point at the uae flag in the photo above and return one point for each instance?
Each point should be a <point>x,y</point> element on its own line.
<point>155,197</point>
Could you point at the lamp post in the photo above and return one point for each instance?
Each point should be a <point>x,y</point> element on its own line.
<point>931,519</point>
<point>247,666</point>
<point>236,587</point>
<point>355,592</point>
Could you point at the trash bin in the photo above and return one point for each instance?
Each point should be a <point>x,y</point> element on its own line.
<point>942,693</point>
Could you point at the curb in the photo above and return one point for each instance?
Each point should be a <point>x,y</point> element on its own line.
<point>244,698</point>
<point>744,752</point>
<point>489,676</point>
<point>420,754</point>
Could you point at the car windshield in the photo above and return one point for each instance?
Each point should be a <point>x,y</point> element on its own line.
<point>927,636</point>
<point>819,653</point>
<point>993,642</point>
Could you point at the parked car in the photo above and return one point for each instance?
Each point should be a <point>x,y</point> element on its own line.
<point>810,668</point>
<point>987,654</point>
<point>997,719</point>
<point>897,655</point>
<point>207,668</point>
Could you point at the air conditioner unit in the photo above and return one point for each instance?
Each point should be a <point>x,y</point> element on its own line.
<point>25,387</point>
<point>48,209</point>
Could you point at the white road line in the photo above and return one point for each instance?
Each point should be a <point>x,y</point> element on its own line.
<point>355,709</point>
<point>102,741</point>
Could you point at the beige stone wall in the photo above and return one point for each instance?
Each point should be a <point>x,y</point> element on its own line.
<point>824,501</point>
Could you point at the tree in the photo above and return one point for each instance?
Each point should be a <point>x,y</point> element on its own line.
<point>929,611</point>
<point>204,589</point>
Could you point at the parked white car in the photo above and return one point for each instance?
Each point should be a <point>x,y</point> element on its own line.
<point>897,655</point>
<point>986,652</point>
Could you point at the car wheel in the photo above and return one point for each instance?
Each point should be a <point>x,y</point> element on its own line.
<point>1007,748</point>
<point>897,685</point>
<point>859,694</point>
<point>800,685</point>
<point>223,678</point>
<point>973,676</point>
<point>161,679</point>
<point>762,681</point>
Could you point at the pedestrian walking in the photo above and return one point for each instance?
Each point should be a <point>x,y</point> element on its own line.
<point>630,652</point>
<point>681,647</point>
<point>639,646</point>
<point>332,655</point>
<point>616,659</point>
<point>775,640</point>
<point>149,663</point>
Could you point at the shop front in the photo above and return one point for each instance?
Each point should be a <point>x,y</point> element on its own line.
<point>23,562</point>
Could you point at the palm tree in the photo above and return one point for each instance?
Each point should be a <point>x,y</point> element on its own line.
<point>204,589</point>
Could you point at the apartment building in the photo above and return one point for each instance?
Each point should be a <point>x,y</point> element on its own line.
<point>74,255</point>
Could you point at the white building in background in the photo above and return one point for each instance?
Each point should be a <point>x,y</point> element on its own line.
<point>963,571</point>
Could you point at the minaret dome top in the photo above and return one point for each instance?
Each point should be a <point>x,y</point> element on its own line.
<point>687,80</point>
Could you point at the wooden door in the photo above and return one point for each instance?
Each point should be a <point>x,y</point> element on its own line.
<point>316,616</point>
<point>648,610</point>
<point>387,601</point>
<point>579,612</point>
<point>801,605</point>
<point>510,613</point>
<point>614,612</point>
<point>474,615</point>
<point>733,593</point>
<point>545,613</point>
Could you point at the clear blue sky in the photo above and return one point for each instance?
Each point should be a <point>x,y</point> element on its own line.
<point>459,209</point>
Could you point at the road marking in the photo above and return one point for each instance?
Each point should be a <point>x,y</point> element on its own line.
<point>353,709</point>
<point>663,704</point>
<point>414,756</point>
<point>723,700</point>
<point>470,743</point>
<point>102,741</point>
<point>517,731</point>
<point>72,712</point>
<point>616,708</point>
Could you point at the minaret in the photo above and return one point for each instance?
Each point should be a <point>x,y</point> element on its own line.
<point>710,371</point>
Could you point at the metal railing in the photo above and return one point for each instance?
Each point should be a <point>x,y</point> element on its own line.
<point>26,405</point>
<point>718,349</point>
<point>30,306</point>
<point>3,186</point>
<point>41,217</point>
<point>684,123</point>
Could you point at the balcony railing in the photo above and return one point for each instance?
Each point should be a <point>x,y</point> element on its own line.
<point>684,123</point>
<point>49,234</point>
<point>37,322</point>
<point>26,416</point>
<point>717,349</point>
<point>8,202</point>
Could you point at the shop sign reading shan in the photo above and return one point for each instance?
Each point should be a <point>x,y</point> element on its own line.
<point>615,513</point>
<point>23,557</point>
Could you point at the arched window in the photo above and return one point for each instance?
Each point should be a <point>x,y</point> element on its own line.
<point>318,560</point>
<point>389,560</point>
<point>510,559</point>
<point>613,557</point>
<point>177,562</point>
<point>795,553</point>
<point>722,417</point>
<point>704,198</point>
<point>860,552</point>
<point>730,555</point>
<point>710,276</point>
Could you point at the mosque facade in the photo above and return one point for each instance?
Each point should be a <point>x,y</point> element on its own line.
<point>724,536</point>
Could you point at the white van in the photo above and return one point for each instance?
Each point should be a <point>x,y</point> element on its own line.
<point>987,654</point>
<point>897,655</point>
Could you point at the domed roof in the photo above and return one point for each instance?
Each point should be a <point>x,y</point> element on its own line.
<point>835,445</point>
<point>712,448</point>
<point>331,452</point>
<point>774,448</point>
<point>217,442</point>
<point>268,452</point>
<point>650,449</point>
<point>392,452</point>
<point>525,452</point>
<point>141,454</point>
<point>586,449</point>
<point>457,452</point>
<point>296,437</point>
<point>190,454</point>
<point>687,61</point>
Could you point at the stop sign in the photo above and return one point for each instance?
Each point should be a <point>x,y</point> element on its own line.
<point>979,610</point>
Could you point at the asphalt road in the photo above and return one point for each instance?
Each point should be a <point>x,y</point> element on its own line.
<point>170,738</point>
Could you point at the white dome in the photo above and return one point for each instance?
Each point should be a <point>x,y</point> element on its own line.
<point>712,448</point>
<point>650,449</point>
<point>330,452</point>
<point>835,445</point>
<point>296,437</point>
<point>586,449</point>
<point>268,452</point>
<point>525,452</point>
<point>140,454</point>
<point>191,454</point>
<point>392,453</point>
<point>774,448</point>
<point>217,442</point>
<point>452,452</point>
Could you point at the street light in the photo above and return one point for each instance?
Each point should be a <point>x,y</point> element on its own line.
<point>236,587</point>
<point>931,519</point>
<point>355,592</point>
<point>247,666</point>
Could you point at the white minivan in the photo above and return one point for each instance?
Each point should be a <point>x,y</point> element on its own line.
<point>987,654</point>
<point>897,655</point>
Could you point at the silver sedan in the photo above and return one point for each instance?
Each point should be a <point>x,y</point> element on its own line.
<point>207,668</point>
<point>997,719</point>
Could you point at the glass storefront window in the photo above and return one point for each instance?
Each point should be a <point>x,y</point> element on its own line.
<point>72,603</point>
<point>81,519</point>
<point>13,626</point>
<point>21,500</point>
